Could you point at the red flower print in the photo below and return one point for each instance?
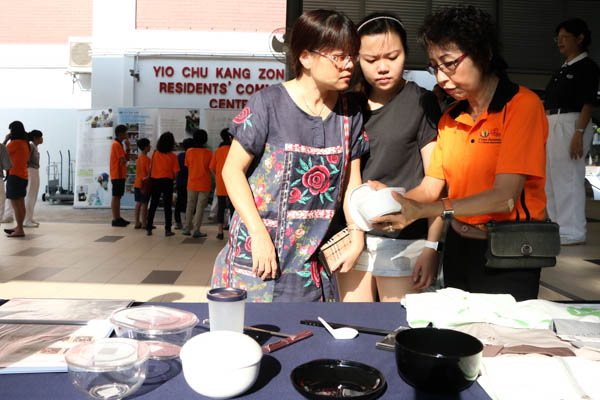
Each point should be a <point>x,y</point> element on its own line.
<point>314,273</point>
<point>238,251</point>
<point>316,179</point>
<point>295,195</point>
<point>333,158</point>
<point>258,201</point>
<point>365,136</point>
<point>288,231</point>
<point>248,244</point>
<point>242,116</point>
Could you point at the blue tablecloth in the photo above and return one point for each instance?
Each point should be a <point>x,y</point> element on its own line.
<point>165,379</point>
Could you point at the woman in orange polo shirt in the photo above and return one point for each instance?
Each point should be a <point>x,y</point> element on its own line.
<point>490,152</point>
<point>16,183</point>
<point>216,167</point>
<point>199,184</point>
<point>164,170</point>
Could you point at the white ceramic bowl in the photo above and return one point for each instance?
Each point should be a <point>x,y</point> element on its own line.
<point>221,364</point>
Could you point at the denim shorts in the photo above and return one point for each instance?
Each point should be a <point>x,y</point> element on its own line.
<point>389,257</point>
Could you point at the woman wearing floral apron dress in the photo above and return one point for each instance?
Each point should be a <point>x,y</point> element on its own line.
<point>296,152</point>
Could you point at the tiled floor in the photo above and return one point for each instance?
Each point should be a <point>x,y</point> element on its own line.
<point>76,253</point>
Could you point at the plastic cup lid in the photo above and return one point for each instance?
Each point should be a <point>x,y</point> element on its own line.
<point>226,294</point>
<point>154,319</point>
<point>107,354</point>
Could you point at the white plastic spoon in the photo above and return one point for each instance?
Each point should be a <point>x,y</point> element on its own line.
<point>339,333</point>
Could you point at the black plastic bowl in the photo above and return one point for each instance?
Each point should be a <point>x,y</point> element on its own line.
<point>438,360</point>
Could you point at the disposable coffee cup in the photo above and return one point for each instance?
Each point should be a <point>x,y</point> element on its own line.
<point>226,308</point>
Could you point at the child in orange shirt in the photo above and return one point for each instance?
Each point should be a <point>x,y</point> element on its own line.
<point>197,159</point>
<point>142,170</point>
<point>216,167</point>
<point>118,173</point>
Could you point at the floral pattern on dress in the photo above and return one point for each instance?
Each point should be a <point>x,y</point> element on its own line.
<point>315,179</point>
<point>244,118</point>
<point>313,272</point>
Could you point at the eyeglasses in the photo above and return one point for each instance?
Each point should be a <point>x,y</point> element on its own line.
<point>340,61</point>
<point>447,67</point>
<point>562,37</point>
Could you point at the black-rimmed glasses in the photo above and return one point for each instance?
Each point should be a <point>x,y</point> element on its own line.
<point>447,68</point>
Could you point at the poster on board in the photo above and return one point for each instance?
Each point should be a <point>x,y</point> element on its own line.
<point>92,172</point>
<point>140,123</point>
<point>95,135</point>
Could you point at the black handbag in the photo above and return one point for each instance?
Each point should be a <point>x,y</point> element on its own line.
<point>522,243</point>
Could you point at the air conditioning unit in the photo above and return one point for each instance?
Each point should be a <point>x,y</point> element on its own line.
<point>80,54</point>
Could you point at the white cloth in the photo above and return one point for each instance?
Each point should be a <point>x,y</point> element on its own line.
<point>451,307</point>
<point>565,178</point>
<point>33,188</point>
<point>536,377</point>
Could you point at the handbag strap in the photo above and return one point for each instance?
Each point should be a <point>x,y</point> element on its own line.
<point>525,209</point>
<point>345,136</point>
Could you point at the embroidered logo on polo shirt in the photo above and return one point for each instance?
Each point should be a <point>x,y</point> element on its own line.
<point>492,136</point>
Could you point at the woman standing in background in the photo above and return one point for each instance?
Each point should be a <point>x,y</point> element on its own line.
<point>570,99</point>
<point>33,186</point>
<point>16,183</point>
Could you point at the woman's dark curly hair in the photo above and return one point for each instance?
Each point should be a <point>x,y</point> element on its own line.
<point>472,30</point>
<point>166,142</point>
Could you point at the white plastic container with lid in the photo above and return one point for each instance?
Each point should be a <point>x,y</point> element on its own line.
<point>108,369</point>
<point>164,329</point>
<point>226,307</point>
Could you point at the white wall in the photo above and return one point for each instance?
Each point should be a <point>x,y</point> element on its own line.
<point>34,76</point>
<point>59,127</point>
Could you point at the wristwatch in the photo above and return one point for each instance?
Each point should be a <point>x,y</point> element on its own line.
<point>448,212</point>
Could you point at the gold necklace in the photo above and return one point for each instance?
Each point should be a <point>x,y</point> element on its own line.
<point>309,108</point>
